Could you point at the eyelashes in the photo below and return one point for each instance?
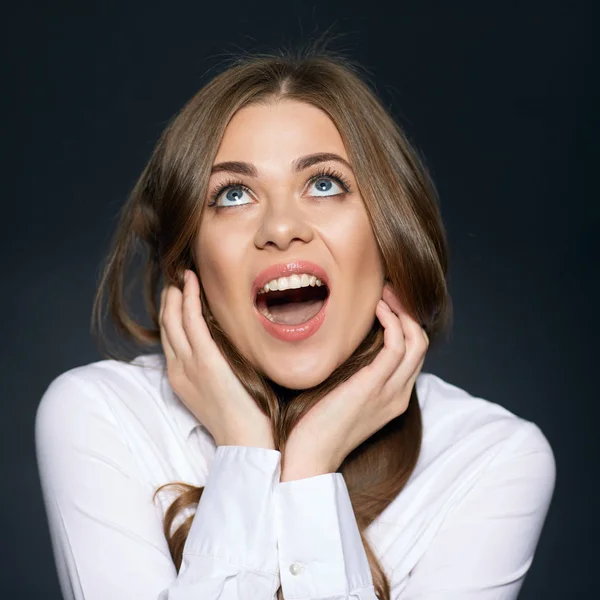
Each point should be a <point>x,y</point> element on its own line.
<point>327,172</point>
<point>229,183</point>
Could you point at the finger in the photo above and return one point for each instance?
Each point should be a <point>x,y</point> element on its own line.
<point>390,298</point>
<point>412,333</point>
<point>163,294</point>
<point>403,379</point>
<point>417,342</point>
<point>164,339</point>
<point>398,389</point>
<point>168,349</point>
<point>394,346</point>
<point>193,322</point>
<point>172,322</point>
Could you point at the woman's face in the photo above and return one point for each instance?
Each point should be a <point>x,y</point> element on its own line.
<point>278,215</point>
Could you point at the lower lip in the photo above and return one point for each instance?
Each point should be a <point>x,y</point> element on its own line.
<point>295,333</point>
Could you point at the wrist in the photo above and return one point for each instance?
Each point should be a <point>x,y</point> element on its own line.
<point>293,472</point>
<point>256,437</point>
<point>253,441</point>
<point>249,443</point>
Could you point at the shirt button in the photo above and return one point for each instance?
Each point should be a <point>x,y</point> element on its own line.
<point>295,568</point>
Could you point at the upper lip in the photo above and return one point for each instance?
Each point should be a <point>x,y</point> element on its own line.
<point>287,269</point>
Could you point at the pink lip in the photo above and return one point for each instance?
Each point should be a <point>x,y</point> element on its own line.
<point>291,333</point>
<point>294,333</point>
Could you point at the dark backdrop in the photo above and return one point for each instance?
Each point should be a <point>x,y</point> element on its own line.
<point>503,102</point>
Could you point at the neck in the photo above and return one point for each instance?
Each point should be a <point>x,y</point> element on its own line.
<point>284,394</point>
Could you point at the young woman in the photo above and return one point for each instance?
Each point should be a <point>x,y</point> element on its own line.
<point>295,274</point>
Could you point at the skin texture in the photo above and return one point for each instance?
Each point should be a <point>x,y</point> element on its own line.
<point>363,404</point>
<point>282,216</point>
<point>286,215</point>
<point>332,428</point>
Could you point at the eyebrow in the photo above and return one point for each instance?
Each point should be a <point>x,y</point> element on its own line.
<point>299,164</point>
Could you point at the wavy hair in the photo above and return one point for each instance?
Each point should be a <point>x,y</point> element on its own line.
<point>161,218</point>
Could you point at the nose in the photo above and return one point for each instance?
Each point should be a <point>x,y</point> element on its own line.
<point>282,223</point>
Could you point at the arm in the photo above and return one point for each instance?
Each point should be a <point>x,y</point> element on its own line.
<point>106,532</point>
<point>482,551</point>
<point>486,544</point>
<point>321,554</point>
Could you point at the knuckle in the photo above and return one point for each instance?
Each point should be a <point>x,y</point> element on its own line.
<point>165,319</point>
<point>164,296</point>
<point>398,349</point>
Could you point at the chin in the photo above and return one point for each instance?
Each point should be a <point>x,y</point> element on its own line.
<point>296,376</point>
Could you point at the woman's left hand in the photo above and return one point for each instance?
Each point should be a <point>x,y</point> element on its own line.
<point>363,404</point>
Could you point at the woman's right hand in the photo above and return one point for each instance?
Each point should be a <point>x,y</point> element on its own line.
<point>200,375</point>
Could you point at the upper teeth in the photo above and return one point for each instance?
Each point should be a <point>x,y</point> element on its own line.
<point>292,282</point>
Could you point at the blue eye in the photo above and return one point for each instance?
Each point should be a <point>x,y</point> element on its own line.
<point>325,179</point>
<point>324,184</point>
<point>233,194</point>
<point>234,190</point>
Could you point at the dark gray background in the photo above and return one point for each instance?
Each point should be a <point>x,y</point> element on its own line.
<point>502,99</point>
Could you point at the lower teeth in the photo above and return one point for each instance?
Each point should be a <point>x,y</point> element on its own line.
<point>268,315</point>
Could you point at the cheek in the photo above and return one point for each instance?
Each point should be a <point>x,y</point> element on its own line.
<point>220,262</point>
<point>360,278</point>
<point>354,247</point>
<point>212,261</point>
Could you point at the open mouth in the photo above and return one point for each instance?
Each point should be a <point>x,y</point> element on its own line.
<point>293,306</point>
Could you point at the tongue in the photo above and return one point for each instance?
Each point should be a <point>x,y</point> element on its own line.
<point>294,313</point>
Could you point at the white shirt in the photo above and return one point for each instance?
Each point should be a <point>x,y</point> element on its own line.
<point>107,434</point>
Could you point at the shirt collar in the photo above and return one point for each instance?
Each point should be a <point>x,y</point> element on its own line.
<point>187,421</point>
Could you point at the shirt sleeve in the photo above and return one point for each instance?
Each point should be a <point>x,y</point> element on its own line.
<point>321,554</point>
<point>107,533</point>
<point>487,542</point>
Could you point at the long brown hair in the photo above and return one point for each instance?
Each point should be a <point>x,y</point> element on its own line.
<point>161,218</point>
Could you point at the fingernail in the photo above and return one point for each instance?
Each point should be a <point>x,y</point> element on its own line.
<point>186,276</point>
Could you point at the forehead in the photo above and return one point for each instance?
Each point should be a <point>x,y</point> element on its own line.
<point>279,132</point>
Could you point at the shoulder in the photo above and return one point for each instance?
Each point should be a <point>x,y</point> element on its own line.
<point>466,435</point>
<point>470,445</point>
<point>105,393</point>
<point>453,415</point>
<point>119,414</point>
<point>483,482</point>
<point>103,379</point>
